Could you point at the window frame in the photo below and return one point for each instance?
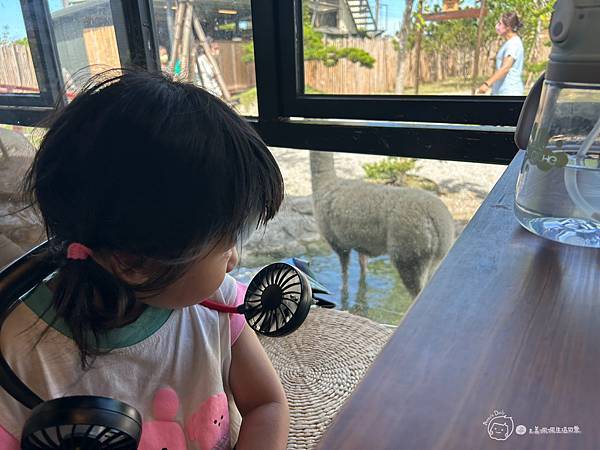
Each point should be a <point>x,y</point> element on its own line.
<point>133,22</point>
<point>479,110</point>
<point>412,126</point>
<point>43,53</point>
<point>432,127</point>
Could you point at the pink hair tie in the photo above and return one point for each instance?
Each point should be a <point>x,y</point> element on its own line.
<point>79,251</point>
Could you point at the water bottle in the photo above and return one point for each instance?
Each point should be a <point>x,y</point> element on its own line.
<point>558,190</point>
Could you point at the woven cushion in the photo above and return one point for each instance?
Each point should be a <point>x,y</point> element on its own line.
<point>320,364</point>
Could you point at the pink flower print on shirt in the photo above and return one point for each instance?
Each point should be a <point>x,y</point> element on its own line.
<point>164,431</point>
<point>208,427</point>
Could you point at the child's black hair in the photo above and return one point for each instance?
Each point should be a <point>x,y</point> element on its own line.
<point>141,165</point>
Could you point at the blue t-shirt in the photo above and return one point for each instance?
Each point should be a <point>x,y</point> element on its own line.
<point>511,84</point>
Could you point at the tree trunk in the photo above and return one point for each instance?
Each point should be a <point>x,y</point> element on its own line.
<point>402,47</point>
<point>535,49</point>
<point>438,67</point>
<point>477,53</point>
<point>418,51</point>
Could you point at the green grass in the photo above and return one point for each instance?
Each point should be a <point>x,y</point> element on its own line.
<point>451,86</point>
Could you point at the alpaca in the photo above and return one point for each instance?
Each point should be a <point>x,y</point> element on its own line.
<point>412,226</point>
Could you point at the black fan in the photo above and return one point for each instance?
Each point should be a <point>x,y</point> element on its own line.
<point>82,422</point>
<point>278,300</point>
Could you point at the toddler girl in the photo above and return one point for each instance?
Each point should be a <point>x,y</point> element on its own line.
<point>145,186</point>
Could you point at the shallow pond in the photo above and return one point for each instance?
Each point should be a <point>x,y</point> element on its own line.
<point>380,296</point>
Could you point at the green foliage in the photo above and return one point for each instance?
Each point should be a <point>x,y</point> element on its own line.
<point>460,35</point>
<point>316,50</point>
<point>248,55</point>
<point>391,170</point>
<point>248,98</point>
<point>226,27</point>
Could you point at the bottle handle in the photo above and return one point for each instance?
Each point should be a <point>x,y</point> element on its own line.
<point>528,113</point>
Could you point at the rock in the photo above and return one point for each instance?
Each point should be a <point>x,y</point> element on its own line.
<point>292,232</point>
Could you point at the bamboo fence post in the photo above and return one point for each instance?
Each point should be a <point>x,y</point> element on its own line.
<point>207,50</point>
<point>185,40</point>
<point>169,14</point>
<point>177,34</point>
<point>192,62</point>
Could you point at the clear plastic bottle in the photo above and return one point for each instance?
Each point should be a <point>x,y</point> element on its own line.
<point>558,190</point>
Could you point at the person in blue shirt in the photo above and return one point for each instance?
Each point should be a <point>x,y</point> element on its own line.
<point>506,80</point>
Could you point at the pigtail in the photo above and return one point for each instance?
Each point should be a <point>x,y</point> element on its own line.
<point>89,299</point>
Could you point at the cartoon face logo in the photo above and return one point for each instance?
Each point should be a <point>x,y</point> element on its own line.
<point>500,427</point>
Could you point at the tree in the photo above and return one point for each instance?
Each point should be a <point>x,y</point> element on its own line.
<point>458,37</point>
<point>316,50</point>
<point>403,46</point>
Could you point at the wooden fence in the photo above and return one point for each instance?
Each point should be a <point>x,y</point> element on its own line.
<point>351,78</point>
<point>17,73</point>
<point>238,75</point>
<point>101,48</point>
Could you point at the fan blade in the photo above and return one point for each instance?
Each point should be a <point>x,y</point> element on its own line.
<point>284,282</point>
<point>260,316</point>
<point>291,283</point>
<point>280,274</point>
<point>288,314</point>
<point>293,303</point>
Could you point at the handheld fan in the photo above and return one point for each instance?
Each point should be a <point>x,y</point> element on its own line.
<point>82,422</point>
<point>278,298</point>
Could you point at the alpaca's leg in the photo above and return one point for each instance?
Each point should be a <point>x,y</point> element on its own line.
<point>364,261</point>
<point>344,256</point>
<point>361,306</point>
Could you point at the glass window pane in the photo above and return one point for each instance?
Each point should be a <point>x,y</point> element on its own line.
<point>20,230</point>
<point>210,44</point>
<point>85,38</point>
<point>17,73</point>
<point>424,47</point>
<point>354,217</point>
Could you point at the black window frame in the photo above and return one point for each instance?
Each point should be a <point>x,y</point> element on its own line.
<point>23,106</point>
<point>461,128</point>
<point>133,22</point>
<point>433,127</point>
<point>455,109</point>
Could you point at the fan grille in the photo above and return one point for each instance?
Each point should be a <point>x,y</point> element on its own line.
<point>79,437</point>
<point>275,297</point>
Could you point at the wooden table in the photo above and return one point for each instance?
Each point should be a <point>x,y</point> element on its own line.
<point>510,323</point>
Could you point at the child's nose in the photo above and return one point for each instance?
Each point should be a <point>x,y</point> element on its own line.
<point>233,260</point>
